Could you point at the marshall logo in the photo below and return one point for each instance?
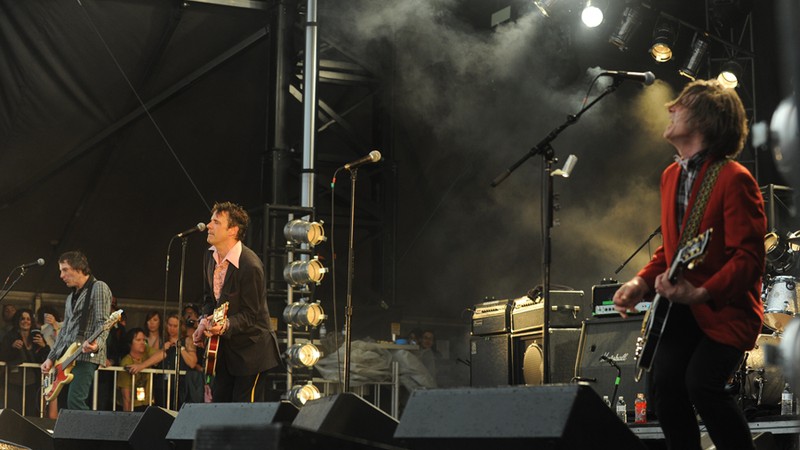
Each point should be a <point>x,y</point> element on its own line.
<point>616,357</point>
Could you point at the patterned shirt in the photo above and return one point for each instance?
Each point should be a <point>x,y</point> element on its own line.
<point>98,314</point>
<point>689,170</point>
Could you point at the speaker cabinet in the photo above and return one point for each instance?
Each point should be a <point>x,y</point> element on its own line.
<point>195,416</point>
<point>346,415</point>
<point>78,430</point>
<point>490,360</point>
<point>515,417</point>
<point>16,429</point>
<point>616,339</point>
<point>563,353</point>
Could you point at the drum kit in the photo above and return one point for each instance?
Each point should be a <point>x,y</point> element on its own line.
<point>763,382</point>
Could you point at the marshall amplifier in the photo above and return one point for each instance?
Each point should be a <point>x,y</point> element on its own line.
<point>567,309</point>
<point>491,317</point>
<point>527,314</point>
<point>603,301</point>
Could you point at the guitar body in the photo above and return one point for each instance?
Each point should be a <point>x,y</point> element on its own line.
<point>656,317</point>
<point>212,346</point>
<point>60,374</point>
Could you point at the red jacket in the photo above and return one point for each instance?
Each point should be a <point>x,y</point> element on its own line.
<point>734,259</point>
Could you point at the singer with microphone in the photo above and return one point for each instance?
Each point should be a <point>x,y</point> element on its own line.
<point>715,312</point>
<point>247,345</point>
<point>87,308</point>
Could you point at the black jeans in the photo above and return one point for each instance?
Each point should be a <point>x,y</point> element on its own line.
<point>691,369</point>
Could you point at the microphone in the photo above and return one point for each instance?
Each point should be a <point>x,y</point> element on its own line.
<point>374,156</point>
<point>38,262</point>
<point>609,361</point>
<point>647,77</point>
<point>199,227</point>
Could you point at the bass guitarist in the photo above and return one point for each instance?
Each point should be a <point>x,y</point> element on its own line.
<point>716,312</point>
<point>86,310</point>
<point>247,346</point>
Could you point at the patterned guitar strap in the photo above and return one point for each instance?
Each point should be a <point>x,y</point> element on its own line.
<point>699,207</point>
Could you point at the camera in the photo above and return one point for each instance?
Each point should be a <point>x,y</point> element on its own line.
<point>190,323</point>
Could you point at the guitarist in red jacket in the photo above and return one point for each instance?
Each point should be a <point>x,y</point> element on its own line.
<point>247,346</point>
<point>716,313</point>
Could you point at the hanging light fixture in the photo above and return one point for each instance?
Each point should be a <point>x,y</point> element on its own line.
<point>730,73</point>
<point>592,15</point>
<point>664,35</point>
<point>631,19</point>
<point>695,59</point>
<point>304,232</point>
<point>300,395</point>
<point>302,355</point>
<point>545,6</point>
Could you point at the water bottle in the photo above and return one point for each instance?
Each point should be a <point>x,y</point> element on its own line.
<point>640,408</point>
<point>786,401</point>
<point>607,401</point>
<point>622,410</point>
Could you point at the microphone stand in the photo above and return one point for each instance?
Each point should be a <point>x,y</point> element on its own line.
<point>646,241</point>
<point>179,344</point>
<point>545,149</point>
<point>617,380</point>
<point>348,312</point>
<point>22,273</point>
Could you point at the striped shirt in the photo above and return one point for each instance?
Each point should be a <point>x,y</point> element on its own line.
<point>98,314</point>
<point>689,170</point>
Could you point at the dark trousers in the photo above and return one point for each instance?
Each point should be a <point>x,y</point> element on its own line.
<point>238,389</point>
<point>689,369</point>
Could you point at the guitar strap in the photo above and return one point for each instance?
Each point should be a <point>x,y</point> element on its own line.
<point>82,331</point>
<point>699,207</point>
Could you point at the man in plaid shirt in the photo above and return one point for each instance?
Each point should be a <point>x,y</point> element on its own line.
<point>77,275</point>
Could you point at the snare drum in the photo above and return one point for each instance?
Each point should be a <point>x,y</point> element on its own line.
<point>768,379</point>
<point>780,302</point>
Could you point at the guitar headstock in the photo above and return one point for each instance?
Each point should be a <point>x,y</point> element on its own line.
<point>112,319</point>
<point>694,251</point>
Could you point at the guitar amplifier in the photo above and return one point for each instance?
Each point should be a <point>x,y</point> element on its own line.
<point>603,301</point>
<point>527,314</point>
<point>491,317</point>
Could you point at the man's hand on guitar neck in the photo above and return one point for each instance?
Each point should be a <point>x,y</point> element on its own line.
<point>89,347</point>
<point>680,292</point>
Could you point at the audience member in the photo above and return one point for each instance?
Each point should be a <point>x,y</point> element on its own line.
<point>23,344</point>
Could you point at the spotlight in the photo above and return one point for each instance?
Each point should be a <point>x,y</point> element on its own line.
<point>545,6</point>
<point>592,16</point>
<point>304,232</point>
<point>298,273</point>
<point>664,35</point>
<point>695,59</point>
<point>299,395</point>
<point>302,355</point>
<point>631,19</point>
<point>730,73</point>
<point>303,313</point>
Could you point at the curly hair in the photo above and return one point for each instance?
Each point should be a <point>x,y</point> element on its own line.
<point>237,216</point>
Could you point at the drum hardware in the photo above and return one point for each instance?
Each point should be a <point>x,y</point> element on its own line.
<point>780,255</point>
<point>780,301</point>
<point>761,383</point>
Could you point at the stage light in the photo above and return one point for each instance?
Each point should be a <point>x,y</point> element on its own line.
<point>730,73</point>
<point>302,355</point>
<point>631,19</point>
<point>592,16</point>
<point>303,313</point>
<point>298,273</point>
<point>300,395</point>
<point>695,59</point>
<point>545,6</point>
<point>664,35</point>
<point>304,232</point>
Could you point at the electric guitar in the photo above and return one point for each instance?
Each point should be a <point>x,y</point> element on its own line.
<point>212,346</point>
<point>61,372</point>
<point>656,317</point>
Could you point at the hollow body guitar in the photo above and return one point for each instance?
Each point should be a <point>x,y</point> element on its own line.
<point>61,372</point>
<point>212,346</point>
<point>656,317</point>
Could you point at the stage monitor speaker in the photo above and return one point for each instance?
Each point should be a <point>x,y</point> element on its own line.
<point>346,414</point>
<point>18,430</point>
<point>279,436</point>
<point>490,360</point>
<point>195,416</point>
<point>111,430</point>
<point>553,416</point>
<point>616,339</point>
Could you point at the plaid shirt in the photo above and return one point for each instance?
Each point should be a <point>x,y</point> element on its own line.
<point>689,170</point>
<point>98,313</point>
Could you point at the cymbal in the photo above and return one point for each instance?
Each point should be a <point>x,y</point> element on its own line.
<point>793,239</point>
